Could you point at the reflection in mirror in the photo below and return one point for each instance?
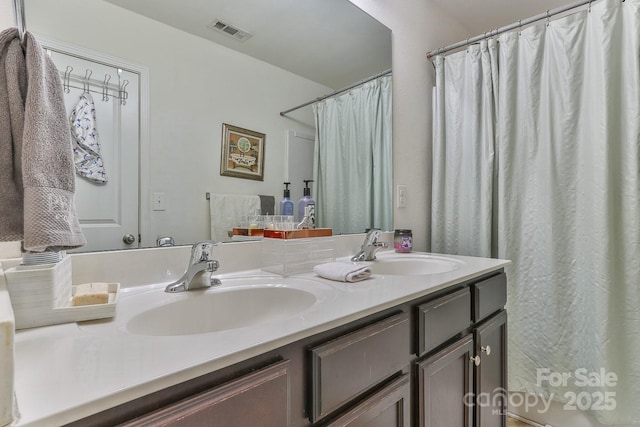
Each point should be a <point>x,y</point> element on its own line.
<point>197,80</point>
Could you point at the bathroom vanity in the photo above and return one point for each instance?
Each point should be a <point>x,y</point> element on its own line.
<point>400,349</point>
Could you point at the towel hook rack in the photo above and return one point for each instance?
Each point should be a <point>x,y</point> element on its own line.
<point>19,16</point>
<point>123,92</point>
<point>65,80</point>
<point>105,87</point>
<point>87,76</point>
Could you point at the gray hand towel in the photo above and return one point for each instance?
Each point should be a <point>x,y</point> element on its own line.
<point>42,159</point>
<point>13,84</point>
<point>267,205</point>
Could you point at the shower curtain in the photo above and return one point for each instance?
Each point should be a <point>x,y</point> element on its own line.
<point>463,151</point>
<point>567,211</point>
<point>353,163</point>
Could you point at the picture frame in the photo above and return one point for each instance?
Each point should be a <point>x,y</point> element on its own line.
<point>242,153</point>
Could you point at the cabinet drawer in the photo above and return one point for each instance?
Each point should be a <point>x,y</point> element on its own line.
<point>259,398</point>
<point>345,367</point>
<point>489,296</point>
<point>442,319</point>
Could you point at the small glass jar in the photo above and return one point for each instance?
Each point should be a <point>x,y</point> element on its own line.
<point>403,241</point>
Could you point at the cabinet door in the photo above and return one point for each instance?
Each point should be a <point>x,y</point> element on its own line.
<point>389,407</point>
<point>257,399</point>
<point>445,386</point>
<point>491,374</point>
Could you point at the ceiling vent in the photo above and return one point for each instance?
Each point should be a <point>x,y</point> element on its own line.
<point>230,30</point>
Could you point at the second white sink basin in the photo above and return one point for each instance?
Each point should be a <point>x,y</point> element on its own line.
<point>225,308</point>
<point>413,265</point>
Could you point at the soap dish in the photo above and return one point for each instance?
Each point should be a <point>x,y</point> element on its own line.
<point>41,295</point>
<point>67,313</point>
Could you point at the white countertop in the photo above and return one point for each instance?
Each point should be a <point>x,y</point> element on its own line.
<point>70,371</point>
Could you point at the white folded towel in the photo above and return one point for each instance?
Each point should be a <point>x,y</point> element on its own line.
<point>343,271</point>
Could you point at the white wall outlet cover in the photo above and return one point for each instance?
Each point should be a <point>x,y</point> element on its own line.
<point>401,196</point>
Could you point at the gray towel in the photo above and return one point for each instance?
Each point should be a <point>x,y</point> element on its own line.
<point>267,205</point>
<point>36,159</point>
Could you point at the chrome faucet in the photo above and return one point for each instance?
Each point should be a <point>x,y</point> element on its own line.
<point>370,246</point>
<point>198,274</point>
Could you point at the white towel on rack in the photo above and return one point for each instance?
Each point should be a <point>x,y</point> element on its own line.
<point>226,211</point>
<point>86,147</point>
<point>343,271</point>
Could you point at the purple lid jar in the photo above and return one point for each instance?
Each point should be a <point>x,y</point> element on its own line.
<point>403,241</point>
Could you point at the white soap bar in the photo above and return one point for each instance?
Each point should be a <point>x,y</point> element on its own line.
<point>91,293</point>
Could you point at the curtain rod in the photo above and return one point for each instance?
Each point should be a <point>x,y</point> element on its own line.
<point>492,33</point>
<point>339,91</point>
<point>18,15</point>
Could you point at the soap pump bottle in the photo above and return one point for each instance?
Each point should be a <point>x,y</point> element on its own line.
<point>307,206</point>
<point>286,205</point>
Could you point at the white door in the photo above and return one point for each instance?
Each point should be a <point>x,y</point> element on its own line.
<point>299,164</point>
<point>108,212</point>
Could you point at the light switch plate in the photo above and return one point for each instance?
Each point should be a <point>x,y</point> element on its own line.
<point>159,201</point>
<point>401,196</point>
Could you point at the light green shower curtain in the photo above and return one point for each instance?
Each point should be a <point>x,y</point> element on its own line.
<point>353,163</point>
<point>567,210</point>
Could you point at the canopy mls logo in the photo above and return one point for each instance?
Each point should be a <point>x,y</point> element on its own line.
<point>593,397</point>
<point>498,399</point>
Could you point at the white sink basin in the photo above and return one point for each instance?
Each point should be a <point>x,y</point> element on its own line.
<point>413,265</point>
<point>236,304</point>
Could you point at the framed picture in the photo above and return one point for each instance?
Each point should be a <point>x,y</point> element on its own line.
<point>242,153</point>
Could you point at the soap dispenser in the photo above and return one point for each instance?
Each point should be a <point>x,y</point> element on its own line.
<point>286,205</point>
<point>306,205</point>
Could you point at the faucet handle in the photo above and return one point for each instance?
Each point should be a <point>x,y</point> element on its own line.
<point>202,251</point>
<point>372,236</point>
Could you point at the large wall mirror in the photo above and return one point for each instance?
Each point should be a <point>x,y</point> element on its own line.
<point>197,79</point>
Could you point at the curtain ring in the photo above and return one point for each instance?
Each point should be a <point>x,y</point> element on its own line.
<point>589,9</point>
<point>548,18</point>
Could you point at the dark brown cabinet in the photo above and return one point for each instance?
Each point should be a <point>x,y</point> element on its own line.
<point>436,361</point>
<point>463,382</point>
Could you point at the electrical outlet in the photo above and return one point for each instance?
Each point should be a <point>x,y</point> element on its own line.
<point>159,201</point>
<point>401,196</point>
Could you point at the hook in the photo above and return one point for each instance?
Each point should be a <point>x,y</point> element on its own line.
<point>105,87</point>
<point>87,76</point>
<point>123,92</point>
<point>548,18</point>
<point>65,80</point>
<point>589,8</point>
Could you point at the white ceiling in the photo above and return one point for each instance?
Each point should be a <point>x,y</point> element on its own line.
<point>480,16</point>
<point>331,42</point>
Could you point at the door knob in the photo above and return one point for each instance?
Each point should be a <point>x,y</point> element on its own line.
<point>475,360</point>
<point>486,349</point>
<point>128,239</point>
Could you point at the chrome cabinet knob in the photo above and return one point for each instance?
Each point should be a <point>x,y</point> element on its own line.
<point>486,349</point>
<point>128,239</point>
<point>475,360</point>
